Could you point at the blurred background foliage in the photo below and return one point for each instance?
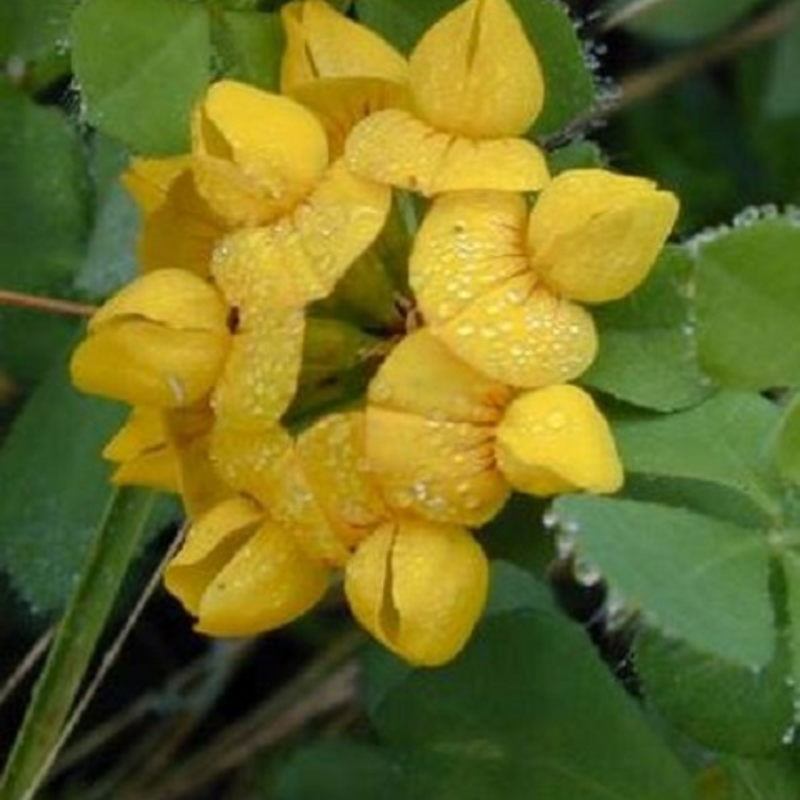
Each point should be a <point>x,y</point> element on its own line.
<point>700,95</point>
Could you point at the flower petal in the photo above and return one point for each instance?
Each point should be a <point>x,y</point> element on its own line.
<point>341,103</point>
<point>474,72</point>
<point>556,440</point>
<point>268,583</point>
<point>332,453</point>
<point>209,545</point>
<point>150,179</point>
<point>251,460</point>
<point>259,378</point>
<point>523,335</point>
<point>593,235</point>
<point>423,377</point>
<point>437,470</point>
<point>322,43</point>
<point>419,588</point>
<point>468,244</point>
<point>146,364</point>
<point>172,297</point>
<point>141,453</point>
<point>278,144</point>
<point>301,258</point>
<point>401,150</point>
<point>181,232</point>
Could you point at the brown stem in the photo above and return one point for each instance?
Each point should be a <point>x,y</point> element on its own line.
<point>629,12</point>
<point>49,305</point>
<point>27,664</point>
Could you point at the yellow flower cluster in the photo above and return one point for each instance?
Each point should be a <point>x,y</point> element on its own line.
<point>280,196</point>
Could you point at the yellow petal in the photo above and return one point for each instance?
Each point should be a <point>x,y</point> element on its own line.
<point>333,458</point>
<point>556,440</point>
<point>251,460</point>
<point>143,430</point>
<point>210,544</point>
<point>322,43</point>
<point>268,583</point>
<point>474,73</point>
<point>469,243</point>
<point>188,432</point>
<point>419,588</point>
<point>276,143</point>
<point>401,150</point>
<point>150,179</point>
<point>155,469</point>
<point>423,377</point>
<point>593,235</point>
<point>301,258</point>
<point>140,449</point>
<point>259,378</point>
<point>181,232</point>
<point>172,297</point>
<point>437,470</point>
<point>341,103</point>
<point>523,335</point>
<point>146,364</point>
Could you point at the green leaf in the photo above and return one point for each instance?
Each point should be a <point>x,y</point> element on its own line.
<point>527,709</point>
<point>790,563</point>
<point>748,292</point>
<point>783,99</point>
<point>721,705</point>
<point>647,353</point>
<point>339,770</point>
<point>250,45</point>
<point>693,577</point>
<point>763,779</point>
<point>724,440</point>
<point>55,487</point>
<point>568,80</point>
<point>788,442</point>
<point>141,65</point>
<point>44,210</point>
<point>688,19</point>
<point>33,29</point>
<point>114,544</point>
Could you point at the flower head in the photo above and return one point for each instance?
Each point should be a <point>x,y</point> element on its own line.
<point>500,285</point>
<point>475,87</point>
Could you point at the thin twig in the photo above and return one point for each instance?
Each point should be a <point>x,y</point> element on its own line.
<point>108,660</point>
<point>650,81</point>
<point>316,691</point>
<point>27,664</point>
<point>629,12</point>
<point>49,305</point>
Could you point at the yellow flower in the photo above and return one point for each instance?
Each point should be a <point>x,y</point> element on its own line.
<point>241,573</point>
<point>318,486</point>
<point>419,588</point>
<point>263,160</point>
<point>179,228</point>
<point>476,87</point>
<point>159,342</point>
<point>338,68</point>
<point>497,284</point>
<point>448,444</point>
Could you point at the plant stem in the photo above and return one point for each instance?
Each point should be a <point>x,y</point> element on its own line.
<point>50,305</point>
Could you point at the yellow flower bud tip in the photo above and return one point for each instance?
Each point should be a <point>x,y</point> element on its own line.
<point>322,43</point>
<point>240,574</point>
<point>279,150</point>
<point>475,74</point>
<point>419,588</point>
<point>594,235</point>
<point>160,342</point>
<point>149,180</point>
<point>556,440</point>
